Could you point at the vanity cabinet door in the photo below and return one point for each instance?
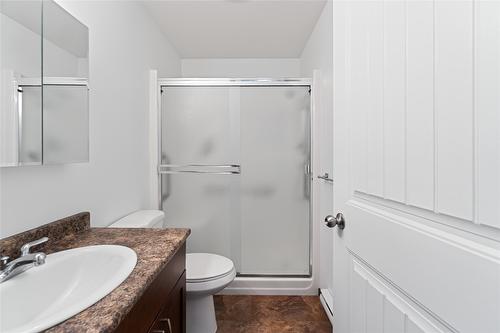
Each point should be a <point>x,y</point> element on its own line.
<point>172,319</point>
<point>164,299</point>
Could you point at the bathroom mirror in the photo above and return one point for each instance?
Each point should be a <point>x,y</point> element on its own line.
<point>43,114</point>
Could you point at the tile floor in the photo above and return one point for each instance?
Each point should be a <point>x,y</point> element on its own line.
<point>270,314</point>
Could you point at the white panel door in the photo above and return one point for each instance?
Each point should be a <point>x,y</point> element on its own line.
<point>417,166</point>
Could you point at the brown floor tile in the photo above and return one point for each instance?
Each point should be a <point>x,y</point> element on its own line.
<point>270,314</point>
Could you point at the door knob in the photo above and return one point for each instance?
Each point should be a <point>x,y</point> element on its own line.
<point>337,220</point>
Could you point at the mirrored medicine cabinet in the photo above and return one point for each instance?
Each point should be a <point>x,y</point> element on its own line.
<point>44,107</point>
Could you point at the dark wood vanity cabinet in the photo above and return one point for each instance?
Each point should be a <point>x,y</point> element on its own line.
<point>172,318</point>
<point>162,307</point>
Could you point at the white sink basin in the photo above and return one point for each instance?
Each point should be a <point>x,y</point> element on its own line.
<point>69,282</point>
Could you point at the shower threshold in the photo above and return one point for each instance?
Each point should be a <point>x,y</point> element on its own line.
<point>271,285</point>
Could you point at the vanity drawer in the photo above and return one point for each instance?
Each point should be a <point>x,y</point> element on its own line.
<point>165,298</point>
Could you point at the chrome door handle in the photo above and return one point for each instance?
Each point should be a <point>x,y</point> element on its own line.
<point>335,221</point>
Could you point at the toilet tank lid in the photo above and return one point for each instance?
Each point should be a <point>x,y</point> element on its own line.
<point>140,219</point>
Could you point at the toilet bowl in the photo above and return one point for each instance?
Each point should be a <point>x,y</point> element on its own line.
<point>206,274</point>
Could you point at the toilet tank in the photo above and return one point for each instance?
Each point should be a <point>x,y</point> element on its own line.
<point>141,219</point>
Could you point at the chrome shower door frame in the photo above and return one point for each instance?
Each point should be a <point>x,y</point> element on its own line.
<point>247,82</point>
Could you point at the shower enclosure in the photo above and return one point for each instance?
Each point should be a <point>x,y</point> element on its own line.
<point>235,161</point>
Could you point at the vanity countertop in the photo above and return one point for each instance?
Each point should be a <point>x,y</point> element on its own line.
<point>154,248</point>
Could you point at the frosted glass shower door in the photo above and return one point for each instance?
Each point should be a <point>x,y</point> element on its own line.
<point>234,168</point>
<point>275,180</point>
<point>199,177</point>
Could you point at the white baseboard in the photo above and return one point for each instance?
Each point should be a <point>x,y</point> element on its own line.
<point>326,300</point>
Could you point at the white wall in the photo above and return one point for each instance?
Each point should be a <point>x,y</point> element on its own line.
<point>318,55</point>
<point>124,45</point>
<point>251,67</point>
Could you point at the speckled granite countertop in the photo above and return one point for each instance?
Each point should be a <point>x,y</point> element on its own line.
<point>154,248</point>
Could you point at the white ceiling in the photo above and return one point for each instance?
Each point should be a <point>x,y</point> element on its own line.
<point>237,28</point>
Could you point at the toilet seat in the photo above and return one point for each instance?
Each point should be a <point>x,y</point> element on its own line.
<point>205,267</point>
<point>211,279</point>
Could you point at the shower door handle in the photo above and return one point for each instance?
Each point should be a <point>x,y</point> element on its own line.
<point>326,177</point>
<point>200,165</point>
<point>200,172</point>
<point>220,169</point>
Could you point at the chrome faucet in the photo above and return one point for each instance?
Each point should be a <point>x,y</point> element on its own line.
<point>26,261</point>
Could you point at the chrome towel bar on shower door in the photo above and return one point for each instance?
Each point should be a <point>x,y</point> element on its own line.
<point>220,169</point>
<point>200,172</point>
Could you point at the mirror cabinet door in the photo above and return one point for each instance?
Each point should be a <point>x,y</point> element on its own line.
<point>20,82</point>
<point>65,87</point>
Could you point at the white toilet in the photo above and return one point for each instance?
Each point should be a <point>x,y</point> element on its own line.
<point>206,274</point>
